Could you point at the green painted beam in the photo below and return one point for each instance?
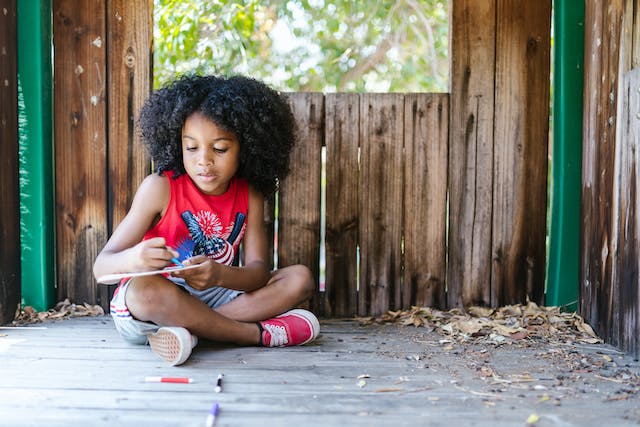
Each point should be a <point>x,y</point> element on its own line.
<point>35,115</point>
<point>566,164</point>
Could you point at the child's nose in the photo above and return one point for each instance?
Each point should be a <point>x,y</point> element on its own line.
<point>205,159</point>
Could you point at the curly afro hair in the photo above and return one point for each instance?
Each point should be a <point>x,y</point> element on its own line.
<point>260,117</point>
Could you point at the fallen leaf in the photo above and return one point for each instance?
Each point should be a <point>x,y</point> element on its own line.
<point>533,418</point>
<point>480,311</point>
<point>516,336</point>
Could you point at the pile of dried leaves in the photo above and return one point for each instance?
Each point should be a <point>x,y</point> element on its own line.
<point>62,310</point>
<point>510,323</point>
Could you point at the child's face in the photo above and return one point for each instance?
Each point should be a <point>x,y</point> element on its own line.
<point>209,154</point>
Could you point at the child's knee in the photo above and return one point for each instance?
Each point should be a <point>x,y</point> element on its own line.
<point>142,298</point>
<point>301,278</point>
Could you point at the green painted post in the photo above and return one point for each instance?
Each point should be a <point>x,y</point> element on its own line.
<point>566,165</point>
<point>37,225</point>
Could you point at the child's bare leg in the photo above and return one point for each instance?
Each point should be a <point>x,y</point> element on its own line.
<point>156,299</point>
<point>287,288</point>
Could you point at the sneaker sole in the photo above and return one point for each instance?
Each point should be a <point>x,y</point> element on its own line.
<point>168,345</point>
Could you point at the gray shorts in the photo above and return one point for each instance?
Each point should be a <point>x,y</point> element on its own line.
<point>135,331</point>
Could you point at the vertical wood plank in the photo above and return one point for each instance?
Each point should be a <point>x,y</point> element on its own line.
<point>342,140</point>
<point>602,32</point>
<point>626,268</point>
<point>269,215</point>
<point>426,142</point>
<point>632,14</point>
<point>471,152</point>
<point>380,189</point>
<point>130,69</point>
<point>520,151</point>
<point>130,47</point>
<point>9,183</point>
<point>80,143</point>
<point>299,195</point>
<point>590,282</point>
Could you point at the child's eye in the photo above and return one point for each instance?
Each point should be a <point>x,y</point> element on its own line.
<point>220,150</point>
<point>191,148</point>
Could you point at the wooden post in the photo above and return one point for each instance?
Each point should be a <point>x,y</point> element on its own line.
<point>473,26</point>
<point>498,153</point>
<point>130,70</point>
<point>603,22</point>
<point>521,131</point>
<point>10,188</point>
<point>626,268</point>
<point>80,93</point>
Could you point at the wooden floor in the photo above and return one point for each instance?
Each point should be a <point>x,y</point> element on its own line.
<point>78,372</point>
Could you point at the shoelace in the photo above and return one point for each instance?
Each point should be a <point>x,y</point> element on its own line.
<point>278,335</point>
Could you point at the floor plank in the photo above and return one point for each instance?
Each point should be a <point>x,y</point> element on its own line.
<point>79,371</point>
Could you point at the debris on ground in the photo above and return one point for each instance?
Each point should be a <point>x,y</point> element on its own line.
<point>62,310</point>
<point>511,323</point>
<point>564,356</point>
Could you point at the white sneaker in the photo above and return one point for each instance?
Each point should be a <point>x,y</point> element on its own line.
<point>172,344</point>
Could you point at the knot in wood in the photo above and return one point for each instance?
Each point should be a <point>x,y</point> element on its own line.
<point>130,58</point>
<point>75,119</point>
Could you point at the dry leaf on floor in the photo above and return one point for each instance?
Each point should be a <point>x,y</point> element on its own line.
<point>62,310</point>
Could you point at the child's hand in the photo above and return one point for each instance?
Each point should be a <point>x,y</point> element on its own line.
<point>152,254</point>
<point>203,277</point>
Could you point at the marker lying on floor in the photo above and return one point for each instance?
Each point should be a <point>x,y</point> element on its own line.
<point>219,383</point>
<point>180,380</point>
<point>213,413</point>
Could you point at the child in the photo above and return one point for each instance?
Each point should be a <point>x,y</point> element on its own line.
<point>219,145</point>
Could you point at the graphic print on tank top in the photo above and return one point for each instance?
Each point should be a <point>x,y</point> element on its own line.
<point>208,236</point>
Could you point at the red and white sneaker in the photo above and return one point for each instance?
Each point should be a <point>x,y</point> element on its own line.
<point>172,344</point>
<point>295,327</point>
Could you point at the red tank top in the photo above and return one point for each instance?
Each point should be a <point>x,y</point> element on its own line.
<point>200,224</point>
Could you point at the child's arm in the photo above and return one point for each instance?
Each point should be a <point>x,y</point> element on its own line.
<point>253,274</point>
<point>125,252</point>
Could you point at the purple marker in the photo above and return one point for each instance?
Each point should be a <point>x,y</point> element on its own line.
<point>213,413</point>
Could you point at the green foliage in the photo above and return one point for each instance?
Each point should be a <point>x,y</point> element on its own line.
<point>307,45</point>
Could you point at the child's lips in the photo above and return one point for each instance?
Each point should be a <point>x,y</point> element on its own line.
<point>208,176</point>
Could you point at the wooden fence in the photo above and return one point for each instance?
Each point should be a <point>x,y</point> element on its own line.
<point>441,215</point>
<point>416,214</point>
<point>102,76</point>
<point>610,230</point>
<point>386,192</point>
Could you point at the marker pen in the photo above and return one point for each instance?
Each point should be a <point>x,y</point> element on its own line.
<point>213,413</point>
<point>219,383</point>
<point>176,261</point>
<point>179,380</point>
